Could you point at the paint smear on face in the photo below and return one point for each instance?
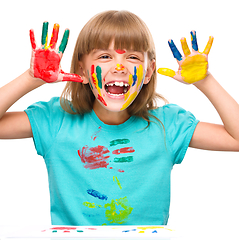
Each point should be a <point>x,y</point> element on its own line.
<point>94,157</point>
<point>102,99</point>
<point>120,51</point>
<point>119,67</point>
<point>99,77</point>
<point>95,79</point>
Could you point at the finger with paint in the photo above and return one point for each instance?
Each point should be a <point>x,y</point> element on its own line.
<point>174,50</point>
<point>194,41</point>
<point>45,62</point>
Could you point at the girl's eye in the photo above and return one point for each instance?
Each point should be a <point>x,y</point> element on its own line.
<point>134,57</point>
<point>104,57</point>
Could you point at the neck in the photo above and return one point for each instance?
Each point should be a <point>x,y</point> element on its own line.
<point>109,117</point>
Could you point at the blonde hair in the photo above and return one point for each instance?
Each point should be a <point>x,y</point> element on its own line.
<point>128,32</point>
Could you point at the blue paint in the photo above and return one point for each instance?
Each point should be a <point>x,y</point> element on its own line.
<point>154,231</point>
<point>194,41</point>
<point>134,76</point>
<point>175,51</point>
<point>97,194</point>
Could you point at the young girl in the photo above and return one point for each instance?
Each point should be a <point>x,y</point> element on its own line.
<point>108,148</point>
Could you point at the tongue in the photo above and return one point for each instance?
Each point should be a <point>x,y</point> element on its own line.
<point>116,89</point>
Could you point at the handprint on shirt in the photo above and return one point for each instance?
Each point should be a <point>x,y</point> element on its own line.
<point>45,61</point>
<point>98,156</point>
<point>193,67</point>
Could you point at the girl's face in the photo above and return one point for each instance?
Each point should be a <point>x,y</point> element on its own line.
<point>116,76</point>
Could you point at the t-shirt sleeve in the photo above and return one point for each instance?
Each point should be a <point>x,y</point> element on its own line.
<point>179,127</point>
<point>45,119</point>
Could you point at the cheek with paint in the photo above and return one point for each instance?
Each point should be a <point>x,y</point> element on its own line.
<point>97,82</point>
<point>136,81</point>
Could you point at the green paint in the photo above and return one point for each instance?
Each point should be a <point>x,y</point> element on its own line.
<point>119,210</point>
<point>44,34</point>
<point>115,179</point>
<point>54,231</point>
<point>64,41</point>
<point>119,141</point>
<point>91,205</point>
<point>80,231</point>
<point>99,77</point>
<point>89,79</point>
<point>123,159</point>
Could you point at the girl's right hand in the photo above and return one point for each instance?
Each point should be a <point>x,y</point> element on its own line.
<point>45,61</point>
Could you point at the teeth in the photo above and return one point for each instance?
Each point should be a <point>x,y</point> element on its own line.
<point>119,84</point>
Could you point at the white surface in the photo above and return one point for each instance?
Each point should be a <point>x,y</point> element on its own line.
<point>86,232</point>
<point>205,186</point>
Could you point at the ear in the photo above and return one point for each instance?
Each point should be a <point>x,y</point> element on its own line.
<point>83,73</point>
<point>150,70</point>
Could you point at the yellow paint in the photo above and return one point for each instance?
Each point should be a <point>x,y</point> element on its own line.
<point>119,67</point>
<point>130,79</point>
<point>140,75</point>
<point>130,99</point>
<point>113,215</point>
<point>141,231</point>
<point>91,205</point>
<point>153,227</point>
<point>194,68</point>
<point>166,72</point>
<point>115,179</point>
<point>209,45</point>
<point>185,47</point>
<point>96,83</point>
<point>45,46</point>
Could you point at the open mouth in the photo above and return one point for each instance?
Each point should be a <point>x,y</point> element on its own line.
<point>117,88</point>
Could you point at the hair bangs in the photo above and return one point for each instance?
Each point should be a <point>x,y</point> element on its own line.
<point>124,28</point>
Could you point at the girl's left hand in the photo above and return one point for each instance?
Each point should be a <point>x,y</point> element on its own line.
<point>193,67</point>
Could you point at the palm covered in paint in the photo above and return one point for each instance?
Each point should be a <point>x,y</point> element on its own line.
<point>193,67</point>
<point>45,61</point>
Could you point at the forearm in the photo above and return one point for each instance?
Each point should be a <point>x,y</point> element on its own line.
<point>226,106</point>
<point>15,89</point>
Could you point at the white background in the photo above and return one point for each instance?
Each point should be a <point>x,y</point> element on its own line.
<point>205,193</point>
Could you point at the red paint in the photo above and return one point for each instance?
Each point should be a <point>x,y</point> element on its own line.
<point>71,77</point>
<point>123,150</point>
<point>63,228</point>
<point>32,39</point>
<point>94,136</point>
<point>120,170</point>
<point>94,157</point>
<point>54,36</point>
<point>46,66</point>
<point>66,231</point>
<point>92,228</point>
<point>120,51</point>
<point>102,100</point>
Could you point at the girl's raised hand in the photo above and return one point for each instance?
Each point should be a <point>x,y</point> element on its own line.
<point>193,67</point>
<point>45,61</point>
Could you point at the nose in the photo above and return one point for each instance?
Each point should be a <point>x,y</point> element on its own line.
<point>120,68</point>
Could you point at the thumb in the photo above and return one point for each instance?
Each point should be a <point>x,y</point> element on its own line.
<point>70,77</point>
<point>166,72</point>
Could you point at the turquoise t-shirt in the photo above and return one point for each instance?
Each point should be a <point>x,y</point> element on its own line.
<point>109,174</point>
